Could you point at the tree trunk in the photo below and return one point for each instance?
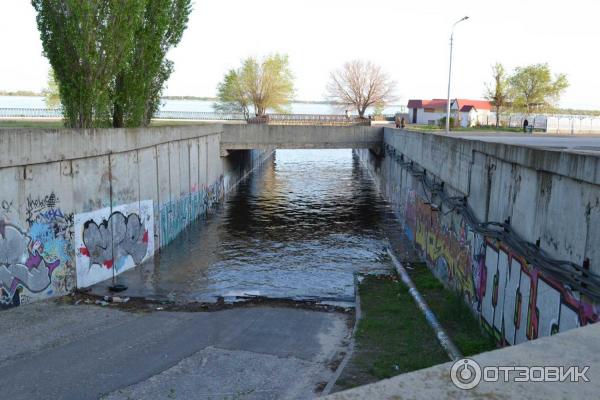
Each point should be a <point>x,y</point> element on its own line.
<point>118,118</point>
<point>497,117</point>
<point>361,111</point>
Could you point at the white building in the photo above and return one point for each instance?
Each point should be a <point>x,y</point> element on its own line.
<point>465,112</point>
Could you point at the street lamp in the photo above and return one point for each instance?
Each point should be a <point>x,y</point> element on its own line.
<point>450,75</point>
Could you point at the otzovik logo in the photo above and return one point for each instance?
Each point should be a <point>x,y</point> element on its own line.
<point>467,374</point>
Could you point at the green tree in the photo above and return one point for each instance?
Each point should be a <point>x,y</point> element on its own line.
<point>232,95</point>
<point>266,84</point>
<point>534,87</point>
<point>138,87</point>
<point>51,94</point>
<point>87,43</point>
<point>498,91</point>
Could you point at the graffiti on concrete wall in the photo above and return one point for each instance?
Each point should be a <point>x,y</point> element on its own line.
<point>516,301</point>
<point>35,258</point>
<point>110,241</point>
<point>519,302</point>
<point>176,215</point>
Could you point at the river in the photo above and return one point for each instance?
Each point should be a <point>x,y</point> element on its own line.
<point>298,228</point>
<point>192,105</point>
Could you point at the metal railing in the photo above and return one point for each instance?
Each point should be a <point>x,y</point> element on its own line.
<point>314,119</point>
<point>57,113</point>
<point>271,119</point>
<point>30,113</point>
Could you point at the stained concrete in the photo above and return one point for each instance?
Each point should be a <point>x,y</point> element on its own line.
<point>300,137</point>
<point>56,351</point>
<point>579,347</point>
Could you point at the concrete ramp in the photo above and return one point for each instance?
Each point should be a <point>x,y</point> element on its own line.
<point>243,137</point>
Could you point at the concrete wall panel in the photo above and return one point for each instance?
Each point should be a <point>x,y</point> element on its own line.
<point>68,197</point>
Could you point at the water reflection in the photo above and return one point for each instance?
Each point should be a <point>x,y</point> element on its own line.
<point>298,228</point>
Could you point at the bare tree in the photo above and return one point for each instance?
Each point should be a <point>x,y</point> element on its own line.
<point>361,85</point>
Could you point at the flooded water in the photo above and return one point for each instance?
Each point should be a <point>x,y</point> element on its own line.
<point>298,228</point>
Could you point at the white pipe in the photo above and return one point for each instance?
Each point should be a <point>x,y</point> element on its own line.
<point>440,333</point>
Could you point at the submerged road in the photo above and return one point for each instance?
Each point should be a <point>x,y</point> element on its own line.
<point>300,228</point>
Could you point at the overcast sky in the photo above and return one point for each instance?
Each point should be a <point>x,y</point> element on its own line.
<point>409,39</point>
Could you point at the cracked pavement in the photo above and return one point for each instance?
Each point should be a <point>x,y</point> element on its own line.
<point>56,351</point>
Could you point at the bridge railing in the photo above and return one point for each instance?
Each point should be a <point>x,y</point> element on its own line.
<point>271,119</point>
<point>311,119</point>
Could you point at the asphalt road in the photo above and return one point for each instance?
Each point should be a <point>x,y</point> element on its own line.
<point>579,143</point>
<point>50,351</point>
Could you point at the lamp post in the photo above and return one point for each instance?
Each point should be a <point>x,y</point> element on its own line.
<point>450,75</point>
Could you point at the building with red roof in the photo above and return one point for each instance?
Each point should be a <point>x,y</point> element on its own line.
<point>465,112</point>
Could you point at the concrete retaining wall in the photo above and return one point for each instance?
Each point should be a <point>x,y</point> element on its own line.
<point>76,206</point>
<point>553,197</point>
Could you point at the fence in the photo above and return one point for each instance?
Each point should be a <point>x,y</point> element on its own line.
<point>273,119</point>
<point>549,123</point>
<point>57,113</point>
<point>312,119</point>
<point>561,124</point>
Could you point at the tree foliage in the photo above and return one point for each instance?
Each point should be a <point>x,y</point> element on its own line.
<point>232,95</point>
<point>266,84</point>
<point>534,87</point>
<point>361,85</point>
<point>139,85</point>
<point>498,92</point>
<point>86,43</point>
<point>51,94</point>
<point>108,56</point>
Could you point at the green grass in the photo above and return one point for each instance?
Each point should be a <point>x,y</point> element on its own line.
<point>393,336</point>
<point>452,312</point>
<point>31,123</point>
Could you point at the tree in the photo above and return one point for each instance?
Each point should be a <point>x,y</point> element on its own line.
<point>498,91</point>
<point>534,87</point>
<point>232,95</point>
<point>51,94</point>
<point>138,87</point>
<point>361,85</point>
<point>109,56</point>
<point>87,43</point>
<point>266,84</point>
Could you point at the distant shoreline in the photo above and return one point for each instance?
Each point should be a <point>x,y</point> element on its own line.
<point>26,93</point>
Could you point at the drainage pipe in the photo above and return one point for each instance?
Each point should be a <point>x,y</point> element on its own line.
<point>441,334</point>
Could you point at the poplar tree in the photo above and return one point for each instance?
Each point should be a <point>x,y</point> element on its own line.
<point>139,86</point>
<point>87,43</point>
<point>109,56</point>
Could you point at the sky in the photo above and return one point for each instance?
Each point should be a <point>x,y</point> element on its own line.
<point>410,40</point>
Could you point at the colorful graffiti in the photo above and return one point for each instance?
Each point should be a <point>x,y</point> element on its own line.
<point>176,215</point>
<point>515,301</point>
<point>519,302</point>
<point>35,261</point>
<point>110,241</point>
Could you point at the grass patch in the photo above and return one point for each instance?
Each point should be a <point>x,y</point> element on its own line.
<point>393,336</point>
<point>31,123</point>
<point>452,312</point>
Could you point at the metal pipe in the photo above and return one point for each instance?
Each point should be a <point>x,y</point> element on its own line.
<point>440,333</point>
